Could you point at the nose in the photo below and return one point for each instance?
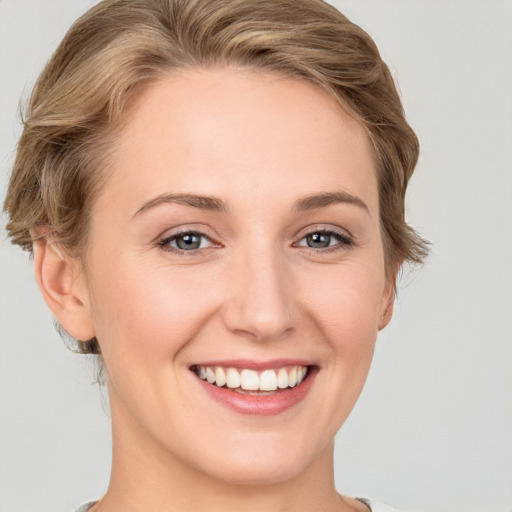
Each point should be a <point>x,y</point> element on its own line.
<point>261,303</point>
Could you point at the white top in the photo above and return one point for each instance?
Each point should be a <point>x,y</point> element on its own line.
<point>374,506</point>
<point>377,507</point>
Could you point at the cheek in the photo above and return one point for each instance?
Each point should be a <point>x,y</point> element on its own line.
<point>346,310</point>
<point>143,311</point>
<point>346,303</point>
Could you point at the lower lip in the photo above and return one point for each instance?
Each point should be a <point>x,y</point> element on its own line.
<point>262,405</point>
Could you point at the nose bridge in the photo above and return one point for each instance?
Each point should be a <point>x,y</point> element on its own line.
<point>261,297</point>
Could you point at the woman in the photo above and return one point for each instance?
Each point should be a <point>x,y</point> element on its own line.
<point>213,192</point>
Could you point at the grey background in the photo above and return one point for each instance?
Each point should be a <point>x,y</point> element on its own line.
<point>432,431</point>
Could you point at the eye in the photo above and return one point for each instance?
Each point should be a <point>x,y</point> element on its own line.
<point>324,240</point>
<point>186,241</point>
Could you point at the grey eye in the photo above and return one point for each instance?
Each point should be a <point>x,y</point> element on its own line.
<point>325,240</point>
<point>319,240</point>
<point>188,241</point>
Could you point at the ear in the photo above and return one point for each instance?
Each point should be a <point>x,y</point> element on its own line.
<point>388,302</point>
<point>62,284</point>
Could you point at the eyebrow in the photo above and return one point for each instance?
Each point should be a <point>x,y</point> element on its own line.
<point>214,204</point>
<point>325,199</point>
<point>207,203</point>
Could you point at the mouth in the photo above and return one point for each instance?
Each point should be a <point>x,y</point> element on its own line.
<point>270,389</point>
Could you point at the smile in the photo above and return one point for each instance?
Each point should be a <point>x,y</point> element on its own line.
<point>251,381</point>
<point>263,389</point>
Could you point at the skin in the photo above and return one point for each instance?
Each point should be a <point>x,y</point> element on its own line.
<point>256,290</point>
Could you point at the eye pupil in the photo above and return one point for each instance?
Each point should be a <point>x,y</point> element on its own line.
<point>318,240</point>
<point>188,241</point>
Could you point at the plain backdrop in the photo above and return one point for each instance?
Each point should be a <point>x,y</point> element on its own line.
<point>433,428</point>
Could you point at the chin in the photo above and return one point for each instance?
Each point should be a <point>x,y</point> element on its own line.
<point>264,460</point>
<point>256,474</point>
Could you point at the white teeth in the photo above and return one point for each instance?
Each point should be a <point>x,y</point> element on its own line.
<point>250,380</point>
<point>210,375</point>
<point>232,378</point>
<point>268,380</point>
<point>292,377</point>
<point>220,377</point>
<point>282,379</point>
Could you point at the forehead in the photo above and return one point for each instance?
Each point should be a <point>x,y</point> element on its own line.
<point>241,133</point>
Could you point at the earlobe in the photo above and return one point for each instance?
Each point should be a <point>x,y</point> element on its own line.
<point>63,288</point>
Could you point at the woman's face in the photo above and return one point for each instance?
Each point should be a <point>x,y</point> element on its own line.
<point>238,237</point>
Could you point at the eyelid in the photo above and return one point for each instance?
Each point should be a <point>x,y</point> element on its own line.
<point>181,229</point>
<point>324,228</point>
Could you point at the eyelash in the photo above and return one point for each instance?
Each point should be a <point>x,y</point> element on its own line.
<point>344,241</point>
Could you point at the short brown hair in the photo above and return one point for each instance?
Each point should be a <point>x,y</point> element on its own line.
<point>119,47</point>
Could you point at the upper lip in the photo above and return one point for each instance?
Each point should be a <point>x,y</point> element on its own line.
<point>251,364</point>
